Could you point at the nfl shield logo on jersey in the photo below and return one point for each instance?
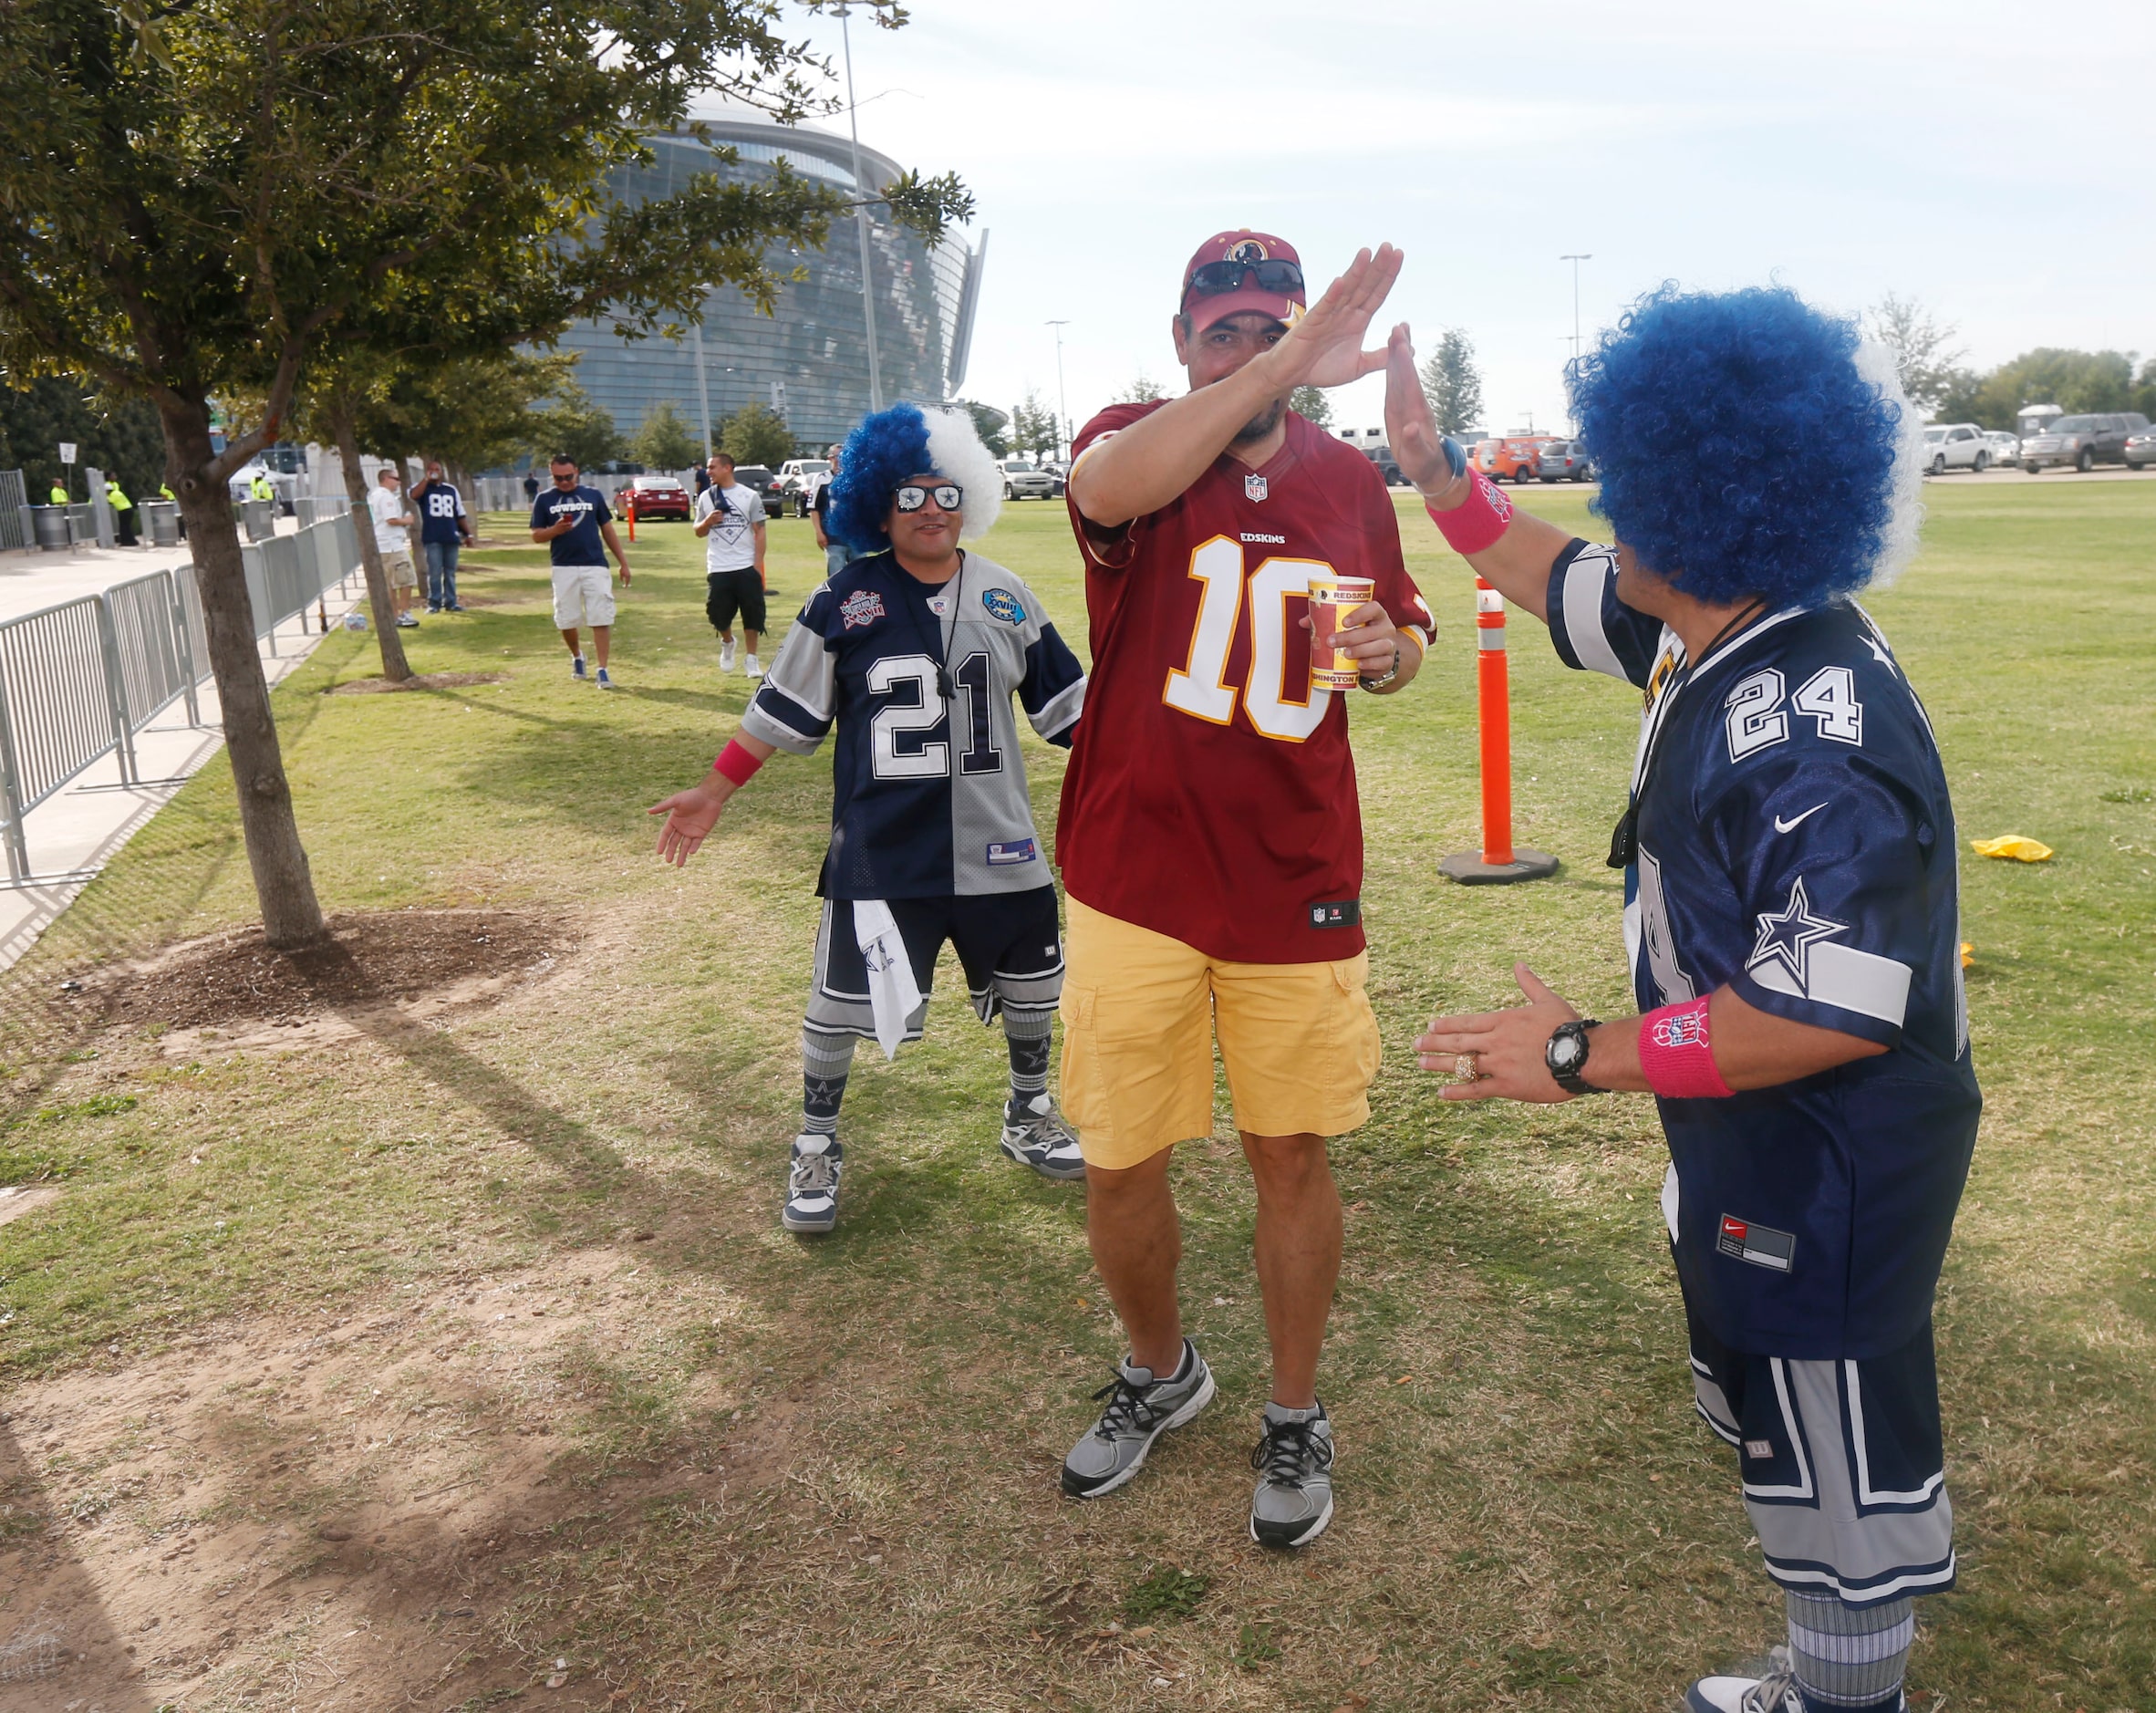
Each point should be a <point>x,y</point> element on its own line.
<point>1254,487</point>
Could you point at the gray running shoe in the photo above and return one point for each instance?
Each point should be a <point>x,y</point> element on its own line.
<point>1035,1135</point>
<point>1294,1499</point>
<point>1777,1692</point>
<point>1140,1409</point>
<point>812,1185</point>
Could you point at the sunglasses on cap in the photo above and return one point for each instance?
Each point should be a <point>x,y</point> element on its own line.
<point>1283,279</point>
<point>948,496</point>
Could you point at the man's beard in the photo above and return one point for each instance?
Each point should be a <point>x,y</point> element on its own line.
<point>1262,424</point>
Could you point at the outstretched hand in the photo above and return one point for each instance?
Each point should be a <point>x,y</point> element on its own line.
<point>1506,1048</point>
<point>691,816</point>
<point>1325,347</point>
<point>1411,430</point>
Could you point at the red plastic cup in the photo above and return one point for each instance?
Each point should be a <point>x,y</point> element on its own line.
<point>1332,599</point>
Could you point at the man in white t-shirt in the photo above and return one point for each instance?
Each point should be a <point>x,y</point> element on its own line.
<point>729,518</point>
<point>393,518</point>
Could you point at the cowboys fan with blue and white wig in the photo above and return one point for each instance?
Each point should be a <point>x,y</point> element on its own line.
<point>1791,920</point>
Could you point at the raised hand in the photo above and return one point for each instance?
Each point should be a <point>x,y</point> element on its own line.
<point>1325,347</point>
<point>1410,430</point>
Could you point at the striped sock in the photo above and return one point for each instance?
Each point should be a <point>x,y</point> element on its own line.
<point>1027,1034</point>
<point>1847,1659</point>
<point>826,1062</point>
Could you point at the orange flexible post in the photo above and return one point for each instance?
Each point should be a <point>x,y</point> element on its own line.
<point>1494,707</point>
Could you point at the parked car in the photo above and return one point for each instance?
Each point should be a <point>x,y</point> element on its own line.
<point>2006,446</point>
<point>1025,480</point>
<point>2141,448</point>
<point>2083,441</point>
<point>656,497</point>
<point>1956,446</point>
<point>1511,458</point>
<point>1565,461</point>
<point>760,481</point>
<point>798,480</point>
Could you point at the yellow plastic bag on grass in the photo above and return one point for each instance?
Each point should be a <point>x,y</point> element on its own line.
<point>2013,847</point>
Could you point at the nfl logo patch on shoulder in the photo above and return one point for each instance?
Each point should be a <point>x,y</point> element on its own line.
<point>1254,486</point>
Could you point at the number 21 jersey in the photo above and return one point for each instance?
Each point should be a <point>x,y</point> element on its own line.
<point>1211,791</point>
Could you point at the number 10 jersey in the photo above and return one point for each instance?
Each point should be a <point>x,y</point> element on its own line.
<point>1211,791</point>
<point>929,793</point>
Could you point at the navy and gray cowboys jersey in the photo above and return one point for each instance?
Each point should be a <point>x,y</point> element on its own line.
<point>928,796</point>
<point>1795,842</point>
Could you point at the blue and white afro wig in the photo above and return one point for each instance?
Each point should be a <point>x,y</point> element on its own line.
<point>906,441</point>
<point>1751,445</point>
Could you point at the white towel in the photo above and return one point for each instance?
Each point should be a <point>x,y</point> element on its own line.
<point>893,992</point>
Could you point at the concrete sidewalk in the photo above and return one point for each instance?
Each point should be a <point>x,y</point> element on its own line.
<point>78,829</point>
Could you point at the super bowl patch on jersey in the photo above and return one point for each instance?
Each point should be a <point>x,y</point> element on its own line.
<point>863,608</point>
<point>1002,604</point>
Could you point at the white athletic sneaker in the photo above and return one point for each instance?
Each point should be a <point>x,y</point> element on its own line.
<point>754,667</point>
<point>1141,1408</point>
<point>811,1184</point>
<point>726,654</point>
<point>1775,1693</point>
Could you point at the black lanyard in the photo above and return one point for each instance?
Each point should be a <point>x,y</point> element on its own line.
<point>957,585</point>
<point>1624,838</point>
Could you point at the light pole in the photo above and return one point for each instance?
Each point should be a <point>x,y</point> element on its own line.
<point>875,377</point>
<point>703,390</point>
<point>1575,261</point>
<point>1062,398</point>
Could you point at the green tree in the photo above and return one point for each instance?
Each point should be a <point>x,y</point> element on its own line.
<point>1312,405</point>
<point>2145,390</point>
<point>473,412</point>
<point>1143,390</point>
<point>1453,383</point>
<point>2076,381</point>
<point>571,424</point>
<point>1034,427</point>
<point>988,423</point>
<point>119,435</point>
<point>196,198</point>
<point>665,442</point>
<point>757,434</point>
<point>1925,356</point>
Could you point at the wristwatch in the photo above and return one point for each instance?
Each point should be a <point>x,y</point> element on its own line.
<point>1566,1056</point>
<point>1392,673</point>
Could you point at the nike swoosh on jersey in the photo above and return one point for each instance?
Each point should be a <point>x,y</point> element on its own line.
<point>1781,826</point>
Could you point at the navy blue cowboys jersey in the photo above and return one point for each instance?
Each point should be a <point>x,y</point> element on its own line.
<point>928,796</point>
<point>1795,842</point>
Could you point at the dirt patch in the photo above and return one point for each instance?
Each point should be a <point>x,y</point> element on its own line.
<point>417,680</point>
<point>370,962</point>
<point>16,1200</point>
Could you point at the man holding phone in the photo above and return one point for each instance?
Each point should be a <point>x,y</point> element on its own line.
<point>571,520</point>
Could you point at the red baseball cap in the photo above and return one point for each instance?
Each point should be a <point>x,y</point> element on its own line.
<point>1251,249</point>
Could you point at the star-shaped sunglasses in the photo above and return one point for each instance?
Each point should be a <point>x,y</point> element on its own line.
<point>948,496</point>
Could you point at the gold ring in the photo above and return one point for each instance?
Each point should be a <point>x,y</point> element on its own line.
<point>1467,1067</point>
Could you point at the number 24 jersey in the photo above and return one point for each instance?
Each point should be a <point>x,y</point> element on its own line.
<point>1211,791</point>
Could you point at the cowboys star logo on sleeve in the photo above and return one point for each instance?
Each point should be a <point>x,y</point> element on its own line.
<point>1800,953</point>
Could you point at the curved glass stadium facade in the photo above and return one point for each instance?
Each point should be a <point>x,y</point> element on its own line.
<point>808,359</point>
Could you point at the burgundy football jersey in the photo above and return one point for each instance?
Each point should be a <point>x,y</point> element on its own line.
<point>1211,793</point>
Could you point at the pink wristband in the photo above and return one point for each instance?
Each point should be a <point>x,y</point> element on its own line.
<point>1477,521</point>
<point>1676,1055</point>
<point>736,762</point>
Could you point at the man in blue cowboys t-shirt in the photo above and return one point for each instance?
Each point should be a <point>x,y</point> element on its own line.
<point>1792,922</point>
<point>573,520</point>
<point>445,528</point>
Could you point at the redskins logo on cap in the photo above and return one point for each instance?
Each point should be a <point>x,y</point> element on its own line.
<point>1248,252</point>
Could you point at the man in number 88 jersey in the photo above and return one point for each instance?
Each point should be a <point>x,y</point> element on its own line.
<point>915,654</point>
<point>1211,839</point>
<point>1792,925</point>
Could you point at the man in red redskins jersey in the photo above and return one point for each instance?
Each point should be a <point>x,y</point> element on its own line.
<point>1210,839</point>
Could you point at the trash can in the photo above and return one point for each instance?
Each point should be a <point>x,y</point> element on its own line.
<point>162,516</point>
<point>52,528</point>
<point>259,517</point>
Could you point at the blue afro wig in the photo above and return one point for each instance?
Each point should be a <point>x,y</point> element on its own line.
<point>1750,445</point>
<point>906,441</point>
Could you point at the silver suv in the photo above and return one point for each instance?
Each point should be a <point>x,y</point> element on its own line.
<point>1025,480</point>
<point>2083,441</point>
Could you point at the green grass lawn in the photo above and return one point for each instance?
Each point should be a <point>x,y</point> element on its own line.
<point>1530,1514</point>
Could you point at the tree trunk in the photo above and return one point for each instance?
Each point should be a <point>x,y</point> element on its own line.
<point>395,668</point>
<point>291,916</point>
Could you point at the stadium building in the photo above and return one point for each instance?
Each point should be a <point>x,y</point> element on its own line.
<point>808,359</point>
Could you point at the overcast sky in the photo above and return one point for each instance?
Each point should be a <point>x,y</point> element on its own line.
<point>1995,160</point>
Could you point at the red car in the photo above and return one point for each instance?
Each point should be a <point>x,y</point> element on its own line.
<point>655,496</point>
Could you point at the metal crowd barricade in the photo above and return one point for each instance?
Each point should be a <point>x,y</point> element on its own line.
<point>78,680</point>
<point>16,530</point>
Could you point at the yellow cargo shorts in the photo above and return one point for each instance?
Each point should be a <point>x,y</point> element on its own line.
<point>1141,1012</point>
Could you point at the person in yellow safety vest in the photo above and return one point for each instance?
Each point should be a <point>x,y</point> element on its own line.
<point>164,491</point>
<point>260,488</point>
<point>123,512</point>
<point>59,493</point>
